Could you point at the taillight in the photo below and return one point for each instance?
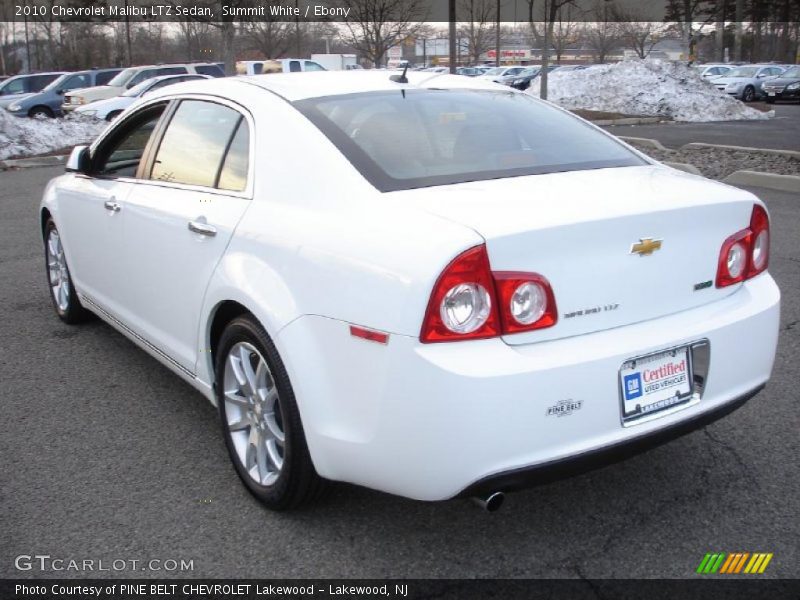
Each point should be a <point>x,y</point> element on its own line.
<point>462,304</point>
<point>470,302</point>
<point>745,253</point>
<point>526,302</point>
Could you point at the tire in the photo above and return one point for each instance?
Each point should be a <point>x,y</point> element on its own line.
<point>41,110</point>
<point>770,100</point>
<point>252,424</point>
<point>62,291</point>
<point>113,115</point>
<point>749,94</point>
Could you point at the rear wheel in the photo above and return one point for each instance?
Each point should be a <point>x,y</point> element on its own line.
<point>260,419</point>
<point>41,110</point>
<point>62,292</point>
<point>749,94</point>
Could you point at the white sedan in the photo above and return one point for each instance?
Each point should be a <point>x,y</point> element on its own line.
<point>435,288</point>
<point>111,108</point>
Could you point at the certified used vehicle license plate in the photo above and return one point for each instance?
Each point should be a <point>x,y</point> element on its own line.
<point>656,382</point>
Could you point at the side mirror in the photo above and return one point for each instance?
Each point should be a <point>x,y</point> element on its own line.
<point>60,92</point>
<point>78,161</point>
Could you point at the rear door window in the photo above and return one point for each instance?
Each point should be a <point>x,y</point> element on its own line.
<point>194,144</point>
<point>295,66</point>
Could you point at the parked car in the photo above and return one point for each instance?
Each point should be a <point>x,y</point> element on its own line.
<point>281,65</point>
<point>522,81</point>
<point>711,70</point>
<point>498,73</point>
<point>111,108</point>
<point>132,76</point>
<point>785,86</point>
<point>745,82</point>
<point>475,291</point>
<point>48,102</point>
<point>16,87</point>
<point>469,71</point>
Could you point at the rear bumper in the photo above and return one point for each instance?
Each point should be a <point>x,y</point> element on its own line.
<point>434,421</point>
<point>517,479</point>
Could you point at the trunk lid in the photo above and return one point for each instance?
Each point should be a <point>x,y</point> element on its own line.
<point>578,228</point>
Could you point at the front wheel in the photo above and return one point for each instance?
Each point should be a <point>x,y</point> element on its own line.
<point>749,94</point>
<point>41,110</point>
<point>260,419</point>
<point>62,292</point>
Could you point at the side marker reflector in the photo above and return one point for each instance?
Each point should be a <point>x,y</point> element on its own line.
<point>369,334</point>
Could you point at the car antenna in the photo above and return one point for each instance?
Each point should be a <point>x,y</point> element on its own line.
<point>400,78</point>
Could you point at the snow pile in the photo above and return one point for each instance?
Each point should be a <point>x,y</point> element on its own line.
<point>646,88</point>
<point>21,136</point>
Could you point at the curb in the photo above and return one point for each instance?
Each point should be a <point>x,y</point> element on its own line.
<point>42,161</point>
<point>789,153</point>
<point>628,121</point>
<point>784,183</point>
<point>646,142</point>
<point>683,167</point>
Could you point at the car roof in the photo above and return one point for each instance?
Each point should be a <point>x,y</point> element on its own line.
<point>21,75</point>
<point>299,86</point>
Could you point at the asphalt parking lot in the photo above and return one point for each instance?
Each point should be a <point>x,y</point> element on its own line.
<point>781,132</point>
<point>107,455</point>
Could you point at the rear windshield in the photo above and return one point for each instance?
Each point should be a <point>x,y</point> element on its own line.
<point>418,138</point>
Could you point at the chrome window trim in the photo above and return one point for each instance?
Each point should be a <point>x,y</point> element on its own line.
<point>246,194</point>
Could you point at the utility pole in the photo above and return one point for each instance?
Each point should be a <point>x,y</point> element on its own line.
<point>128,34</point>
<point>497,35</point>
<point>451,8</point>
<point>27,44</point>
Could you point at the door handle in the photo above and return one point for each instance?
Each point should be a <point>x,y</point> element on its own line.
<point>112,206</point>
<point>202,228</point>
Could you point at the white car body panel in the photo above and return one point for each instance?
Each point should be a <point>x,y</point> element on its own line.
<point>102,108</point>
<point>310,255</point>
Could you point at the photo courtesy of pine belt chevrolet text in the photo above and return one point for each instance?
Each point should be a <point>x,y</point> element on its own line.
<point>426,284</point>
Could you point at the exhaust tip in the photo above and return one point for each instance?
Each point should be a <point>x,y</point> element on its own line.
<point>491,502</point>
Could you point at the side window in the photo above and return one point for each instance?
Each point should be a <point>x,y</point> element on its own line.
<point>140,77</point>
<point>172,71</point>
<point>76,82</point>
<point>312,66</point>
<point>194,143</point>
<point>212,70</point>
<point>233,175</point>
<point>258,68</point>
<point>104,77</point>
<point>13,87</point>
<point>294,66</point>
<point>38,83</point>
<point>120,154</point>
<point>164,83</point>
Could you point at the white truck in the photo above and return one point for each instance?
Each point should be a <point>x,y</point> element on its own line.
<point>280,65</point>
<point>337,62</point>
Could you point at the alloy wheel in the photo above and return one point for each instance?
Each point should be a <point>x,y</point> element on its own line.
<point>253,413</point>
<point>58,273</point>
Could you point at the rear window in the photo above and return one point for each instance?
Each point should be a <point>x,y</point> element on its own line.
<point>419,138</point>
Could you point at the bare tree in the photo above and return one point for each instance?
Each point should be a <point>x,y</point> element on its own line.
<point>551,10</point>
<point>477,33</point>
<point>638,34</point>
<point>271,38</point>
<point>374,26</point>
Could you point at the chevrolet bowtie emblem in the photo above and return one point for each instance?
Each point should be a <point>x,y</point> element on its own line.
<point>645,246</point>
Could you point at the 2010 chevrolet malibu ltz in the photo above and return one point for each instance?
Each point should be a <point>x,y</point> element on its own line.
<point>431,286</point>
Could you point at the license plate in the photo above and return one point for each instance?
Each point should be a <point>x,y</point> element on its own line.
<point>771,93</point>
<point>655,382</point>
